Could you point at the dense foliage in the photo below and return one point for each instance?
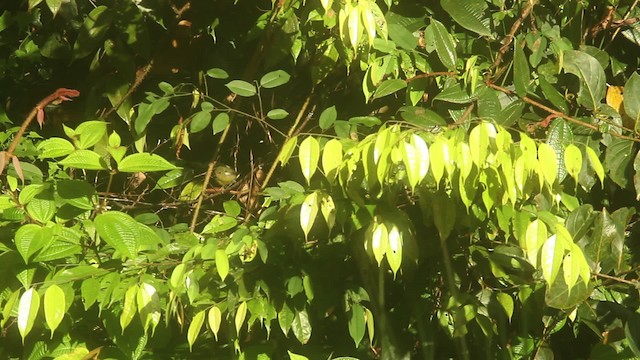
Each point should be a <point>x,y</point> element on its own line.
<point>454,179</point>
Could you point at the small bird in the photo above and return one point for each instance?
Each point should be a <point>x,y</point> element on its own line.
<point>224,175</point>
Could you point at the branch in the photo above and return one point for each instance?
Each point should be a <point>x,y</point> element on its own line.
<point>59,95</point>
<point>512,33</point>
<point>557,113</point>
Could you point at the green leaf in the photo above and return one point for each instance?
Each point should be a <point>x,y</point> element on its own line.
<point>128,307</point>
<point>379,241</point>
<point>54,6</point>
<point>301,326</point>
<point>535,237</point>
<point>551,256</point>
<point>222,263</point>
<point>84,159</point>
<point>455,94</point>
<point>274,79</point>
<point>573,160</point>
<point>506,301</point>
<point>194,328</point>
<point>421,117</point>
<point>30,238</point>
<point>215,319</point>
<point>550,93</point>
<point>309,154</point>
<point>241,314</point>
<point>548,162</point>
<point>54,307</point>
<point>149,308</point>
<point>632,99</point>
<point>470,14</point>
<point>328,117</point>
<point>90,133</point>
<point>277,114</point>
<point>389,86</point>
<point>331,157</point>
<point>77,193</point>
<point>200,121</point>
<point>217,73</point>
<point>558,135</point>
<point>618,156</point>
<point>42,208</point>
<point>308,213</point>
<point>242,88</point>
<point>89,290</point>
<point>287,150</point>
<point>394,250</point>
<point>445,47</point>
<point>293,356</point>
<point>93,30</point>
<point>220,122</point>
<point>143,162</point>
<point>356,323</point>
<point>54,147</point>
<point>120,231</point>
<point>521,74</point>
<point>591,75</point>
<point>27,311</point>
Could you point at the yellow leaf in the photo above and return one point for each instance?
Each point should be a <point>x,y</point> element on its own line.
<point>614,97</point>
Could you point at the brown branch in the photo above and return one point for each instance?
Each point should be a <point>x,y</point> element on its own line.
<point>557,113</point>
<point>464,116</point>
<point>141,74</point>
<point>431,74</point>
<point>506,42</point>
<point>60,94</point>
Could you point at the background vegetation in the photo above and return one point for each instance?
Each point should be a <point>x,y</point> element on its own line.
<point>416,181</point>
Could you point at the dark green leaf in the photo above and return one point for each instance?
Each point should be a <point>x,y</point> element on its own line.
<point>520,70</point>
<point>445,47</point>
<point>328,117</point>
<point>200,121</point>
<point>421,116</point>
<point>92,32</point>
<point>591,76</point>
<point>389,87</point>
<point>617,158</point>
<point>470,14</point>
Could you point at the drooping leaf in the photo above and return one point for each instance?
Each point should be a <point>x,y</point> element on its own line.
<point>54,307</point>
<point>308,213</point>
<point>215,320</point>
<point>388,87</point>
<point>632,99</point>
<point>309,154</point>
<point>356,323</point>
<point>27,311</point>
<point>445,47</point>
<point>618,156</point>
<point>521,72</point>
<point>222,263</point>
<point>301,326</point>
<point>194,328</point>
<point>328,117</point>
<point>241,314</point>
<point>120,231</point>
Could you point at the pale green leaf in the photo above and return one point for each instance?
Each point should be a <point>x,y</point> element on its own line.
<point>394,250</point>
<point>549,163</point>
<point>551,258</point>
<point>215,319</point>
<point>194,328</point>
<point>84,159</point>
<point>309,154</point>
<point>274,79</point>
<point>222,263</point>
<point>241,314</point>
<point>242,88</point>
<point>287,150</point>
<point>308,213</point>
<point>128,307</point>
<point>27,311</point>
<point>54,307</point>
<point>573,160</point>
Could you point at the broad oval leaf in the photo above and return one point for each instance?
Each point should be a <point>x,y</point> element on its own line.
<point>120,231</point>
<point>551,258</point>
<point>200,121</point>
<point>274,79</point>
<point>242,88</point>
<point>128,307</point>
<point>591,74</point>
<point>84,159</point>
<point>277,114</point>
<point>328,117</point>
<point>331,157</point>
<point>389,86</point>
<point>143,162</point>
<point>394,250</point>
<point>217,73</point>
<point>356,323</point>
<point>470,14</point>
<point>301,326</point>
<point>54,147</point>
<point>573,160</point>
<point>220,122</point>
<point>549,163</point>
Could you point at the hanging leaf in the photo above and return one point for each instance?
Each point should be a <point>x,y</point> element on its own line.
<point>215,319</point>
<point>356,323</point>
<point>331,157</point>
<point>308,213</point>
<point>194,328</point>
<point>27,311</point>
<point>128,307</point>
<point>222,263</point>
<point>241,314</point>
<point>521,74</point>
<point>328,209</point>
<point>551,258</point>
<point>54,307</point>
<point>287,150</point>
<point>394,250</point>
<point>309,154</point>
<point>548,163</point>
<point>379,241</point>
<point>328,117</point>
<point>573,160</point>
<point>535,237</point>
<point>301,327</point>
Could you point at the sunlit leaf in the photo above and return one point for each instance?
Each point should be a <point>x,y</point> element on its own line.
<point>54,307</point>
<point>309,154</point>
<point>308,213</point>
<point>194,328</point>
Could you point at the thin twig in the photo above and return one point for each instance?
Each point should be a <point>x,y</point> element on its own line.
<point>558,113</point>
<point>431,74</point>
<point>506,42</point>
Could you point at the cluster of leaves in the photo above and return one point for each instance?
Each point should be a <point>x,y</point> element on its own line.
<point>467,187</point>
